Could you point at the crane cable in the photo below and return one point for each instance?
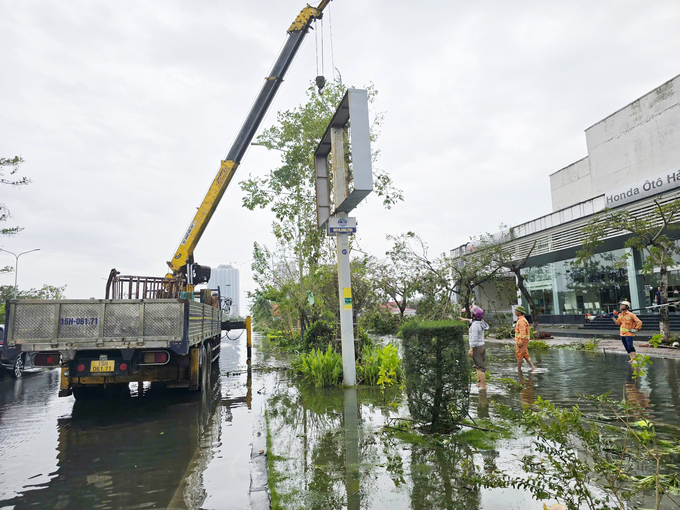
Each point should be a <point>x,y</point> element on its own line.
<point>320,79</point>
<point>330,27</point>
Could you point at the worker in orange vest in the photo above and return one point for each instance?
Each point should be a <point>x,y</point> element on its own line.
<point>522,338</point>
<point>629,324</point>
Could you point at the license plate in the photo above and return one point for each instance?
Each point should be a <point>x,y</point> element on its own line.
<point>102,366</point>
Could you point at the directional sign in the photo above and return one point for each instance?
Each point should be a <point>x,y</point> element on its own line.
<point>342,225</point>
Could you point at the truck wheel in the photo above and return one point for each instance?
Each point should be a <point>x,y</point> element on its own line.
<point>18,367</point>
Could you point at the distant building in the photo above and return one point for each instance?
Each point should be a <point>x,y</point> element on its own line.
<point>227,279</point>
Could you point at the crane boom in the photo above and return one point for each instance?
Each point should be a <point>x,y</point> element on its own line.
<point>183,256</point>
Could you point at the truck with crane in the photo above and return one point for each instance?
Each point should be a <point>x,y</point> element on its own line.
<point>158,329</point>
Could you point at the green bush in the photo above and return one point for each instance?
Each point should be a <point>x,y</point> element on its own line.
<point>380,321</point>
<point>538,345</point>
<point>318,335</point>
<point>591,345</point>
<point>437,372</point>
<point>320,368</point>
<point>377,361</point>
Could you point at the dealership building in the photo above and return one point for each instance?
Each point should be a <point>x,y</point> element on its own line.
<point>633,161</point>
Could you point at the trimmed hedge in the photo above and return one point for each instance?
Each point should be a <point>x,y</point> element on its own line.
<point>437,372</point>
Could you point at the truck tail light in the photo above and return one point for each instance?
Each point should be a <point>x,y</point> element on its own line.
<point>155,358</point>
<point>46,360</point>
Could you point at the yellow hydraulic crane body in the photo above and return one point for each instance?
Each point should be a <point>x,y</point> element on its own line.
<point>182,260</point>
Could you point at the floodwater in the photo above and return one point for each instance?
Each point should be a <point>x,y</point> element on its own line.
<point>157,449</point>
<point>171,449</point>
<point>331,449</point>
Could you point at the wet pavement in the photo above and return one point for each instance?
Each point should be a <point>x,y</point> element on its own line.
<point>157,449</point>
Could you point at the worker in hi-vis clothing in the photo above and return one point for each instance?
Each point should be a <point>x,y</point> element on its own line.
<point>629,324</point>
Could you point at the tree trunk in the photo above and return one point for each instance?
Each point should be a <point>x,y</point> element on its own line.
<point>664,323</point>
<point>530,301</point>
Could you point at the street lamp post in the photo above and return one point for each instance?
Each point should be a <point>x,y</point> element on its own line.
<point>16,266</point>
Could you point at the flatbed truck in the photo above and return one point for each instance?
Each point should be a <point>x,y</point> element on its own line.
<point>108,343</point>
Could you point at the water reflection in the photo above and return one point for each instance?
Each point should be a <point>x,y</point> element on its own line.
<point>129,453</point>
<point>155,449</point>
<point>335,448</point>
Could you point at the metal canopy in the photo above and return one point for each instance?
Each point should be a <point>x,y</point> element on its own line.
<point>354,108</point>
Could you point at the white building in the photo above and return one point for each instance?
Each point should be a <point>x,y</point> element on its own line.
<point>633,160</point>
<point>227,279</point>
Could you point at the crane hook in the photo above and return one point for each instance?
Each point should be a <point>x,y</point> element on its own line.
<point>320,82</point>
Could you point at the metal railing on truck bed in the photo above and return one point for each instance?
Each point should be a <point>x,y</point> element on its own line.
<point>65,325</point>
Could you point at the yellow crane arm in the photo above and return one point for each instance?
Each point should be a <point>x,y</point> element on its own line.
<point>296,33</point>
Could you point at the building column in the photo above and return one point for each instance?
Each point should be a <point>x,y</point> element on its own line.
<point>632,279</point>
<point>556,295</point>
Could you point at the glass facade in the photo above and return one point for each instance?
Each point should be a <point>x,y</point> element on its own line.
<point>565,288</point>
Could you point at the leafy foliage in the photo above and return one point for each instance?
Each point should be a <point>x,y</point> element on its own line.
<point>381,365</point>
<point>302,263</point>
<point>380,321</point>
<point>320,368</point>
<point>437,373</point>
<point>9,168</point>
<point>574,455</point>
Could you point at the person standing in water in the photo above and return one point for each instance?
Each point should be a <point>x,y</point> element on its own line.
<point>629,324</point>
<point>522,339</point>
<point>477,347</point>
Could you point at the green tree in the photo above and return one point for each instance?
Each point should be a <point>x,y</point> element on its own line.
<point>8,170</point>
<point>500,255</point>
<point>649,234</point>
<point>289,192</point>
<point>398,277</point>
<point>444,277</point>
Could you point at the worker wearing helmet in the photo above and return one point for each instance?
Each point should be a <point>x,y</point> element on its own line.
<point>629,324</point>
<point>522,338</point>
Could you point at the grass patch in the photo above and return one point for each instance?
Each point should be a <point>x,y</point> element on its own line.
<point>538,345</point>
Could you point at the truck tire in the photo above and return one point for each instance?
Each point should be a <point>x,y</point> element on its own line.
<point>18,367</point>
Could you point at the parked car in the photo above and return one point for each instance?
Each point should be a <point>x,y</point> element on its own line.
<point>22,362</point>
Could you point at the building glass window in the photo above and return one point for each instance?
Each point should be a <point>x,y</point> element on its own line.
<point>565,288</point>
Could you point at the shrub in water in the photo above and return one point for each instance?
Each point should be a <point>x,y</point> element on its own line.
<point>320,368</point>
<point>437,372</point>
<point>380,363</point>
<point>318,335</point>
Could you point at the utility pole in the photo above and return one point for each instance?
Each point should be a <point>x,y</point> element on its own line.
<point>340,189</point>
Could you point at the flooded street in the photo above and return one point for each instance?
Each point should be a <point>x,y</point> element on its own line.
<point>329,448</point>
<point>159,449</point>
<point>335,448</point>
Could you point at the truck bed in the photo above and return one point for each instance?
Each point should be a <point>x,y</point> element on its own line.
<point>70,324</point>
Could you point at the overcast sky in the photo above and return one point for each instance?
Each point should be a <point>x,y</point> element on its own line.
<point>123,111</point>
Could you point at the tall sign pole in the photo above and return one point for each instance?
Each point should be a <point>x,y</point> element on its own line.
<point>347,194</point>
<point>340,192</point>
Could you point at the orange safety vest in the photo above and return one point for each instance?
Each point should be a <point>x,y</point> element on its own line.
<point>522,329</point>
<point>627,321</point>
